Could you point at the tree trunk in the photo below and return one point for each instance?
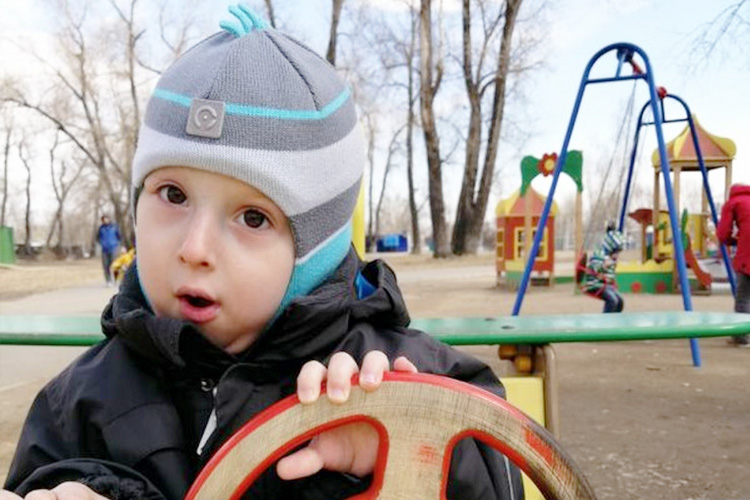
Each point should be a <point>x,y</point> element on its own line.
<point>271,15</point>
<point>432,142</point>
<point>6,154</point>
<point>416,246</point>
<point>57,190</point>
<point>52,228</point>
<point>371,236</point>
<point>473,203</point>
<point>335,18</point>
<point>498,110</point>
<point>27,217</point>
<point>386,170</point>
<point>465,209</point>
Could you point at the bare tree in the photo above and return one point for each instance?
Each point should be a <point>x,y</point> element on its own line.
<point>333,33</point>
<point>6,155</point>
<point>61,185</point>
<point>96,90</point>
<point>475,188</point>
<point>271,15</point>
<point>83,120</point>
<point>385,86</point>
<point>409,53</point>
<point>429,83</point>
<point>23,154</point>
<point>370,131</point>
<point>374,207</point>
<point>393,149</point>
<point>733,22</point>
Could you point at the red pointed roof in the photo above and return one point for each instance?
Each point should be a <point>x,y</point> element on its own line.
<point>716,151</point>
<point>515,205</point>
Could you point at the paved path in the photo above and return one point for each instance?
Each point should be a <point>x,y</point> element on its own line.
<point>27,365</point>
<point>89,299</point>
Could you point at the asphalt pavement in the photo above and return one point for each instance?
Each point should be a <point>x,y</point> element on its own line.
<point>28,365</point>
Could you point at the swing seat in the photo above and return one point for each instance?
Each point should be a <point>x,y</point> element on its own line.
<point>582,271</point>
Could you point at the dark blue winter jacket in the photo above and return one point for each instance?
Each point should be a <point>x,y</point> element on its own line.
<point>109,237</point>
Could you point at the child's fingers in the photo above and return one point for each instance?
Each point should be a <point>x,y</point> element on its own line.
<point>373,366</point>
<point>40,495</point>
<point>302,463</point>
<point>9,495</point>
<point>341,368</point>
<point>309,379</point>
<point>351,448</point>
<point>402,364</point>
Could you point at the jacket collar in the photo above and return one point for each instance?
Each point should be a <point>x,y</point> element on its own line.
<point>309,328</point>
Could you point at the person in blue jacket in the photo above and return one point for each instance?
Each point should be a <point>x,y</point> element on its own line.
<point>109,239</point>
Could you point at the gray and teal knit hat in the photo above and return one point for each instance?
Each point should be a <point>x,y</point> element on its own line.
<point>254,104</point>
<point>613,241</point>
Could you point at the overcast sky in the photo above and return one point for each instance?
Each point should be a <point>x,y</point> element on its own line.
<point>665,29</point>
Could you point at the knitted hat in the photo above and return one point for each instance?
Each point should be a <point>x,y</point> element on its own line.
<point>614,241</point>
<point>254,104</point>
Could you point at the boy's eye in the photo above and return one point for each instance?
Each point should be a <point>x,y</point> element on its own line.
<point>172,194</point>
<point>254,219</point>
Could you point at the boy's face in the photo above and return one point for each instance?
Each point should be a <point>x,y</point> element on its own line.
<point>214,251</point>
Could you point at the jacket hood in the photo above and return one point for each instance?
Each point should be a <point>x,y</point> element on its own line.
<point>739,190</point>
<point>309,326</point>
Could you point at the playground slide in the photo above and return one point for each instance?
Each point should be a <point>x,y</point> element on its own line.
<point>704,278</point>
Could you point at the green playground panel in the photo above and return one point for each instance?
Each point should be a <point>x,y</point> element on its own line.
<point>534,329</point>
<point>545,329</point>
<point>645,282</point>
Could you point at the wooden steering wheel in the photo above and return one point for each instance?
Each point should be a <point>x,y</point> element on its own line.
<point>419,419</point>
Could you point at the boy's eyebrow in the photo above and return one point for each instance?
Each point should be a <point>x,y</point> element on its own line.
<point>245,110</point>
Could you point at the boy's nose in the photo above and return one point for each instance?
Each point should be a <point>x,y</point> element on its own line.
<point>198,245</point>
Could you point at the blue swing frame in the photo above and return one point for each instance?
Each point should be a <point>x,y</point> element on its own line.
<point>625,53</point>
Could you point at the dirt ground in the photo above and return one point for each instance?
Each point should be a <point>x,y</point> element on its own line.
<point>638,418</point>
<point>35,277</point>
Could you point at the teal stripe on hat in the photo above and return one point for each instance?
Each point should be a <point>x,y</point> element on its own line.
<point>281,114</point>
<point>309,273</point>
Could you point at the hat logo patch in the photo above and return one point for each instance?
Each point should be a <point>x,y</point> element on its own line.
<point>206,118</point>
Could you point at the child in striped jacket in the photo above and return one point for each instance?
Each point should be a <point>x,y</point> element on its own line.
<point>599,277</point>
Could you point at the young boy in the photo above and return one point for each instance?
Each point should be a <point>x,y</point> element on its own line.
<point>245,287</point>
<point>599,276</point>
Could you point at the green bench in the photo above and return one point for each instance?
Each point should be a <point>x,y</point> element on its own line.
<point>523,340</point>
<point>526,341</point>
<point>533,330</point>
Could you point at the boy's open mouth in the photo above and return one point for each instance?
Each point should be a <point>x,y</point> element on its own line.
<point>197,307</point>
<point>198,301</point>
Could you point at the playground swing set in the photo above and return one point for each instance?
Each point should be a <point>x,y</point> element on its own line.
<point>625,55</point>
<point>694,149</point>
<point>445,411</point>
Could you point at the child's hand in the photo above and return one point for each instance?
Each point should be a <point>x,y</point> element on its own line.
<point>64,491</point>
<point>352,448</point>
